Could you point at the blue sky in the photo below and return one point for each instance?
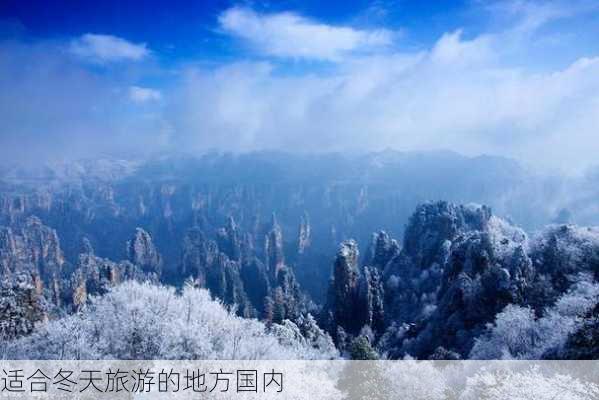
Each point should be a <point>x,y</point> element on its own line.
<point>190,30</point>
<point>495,77</point>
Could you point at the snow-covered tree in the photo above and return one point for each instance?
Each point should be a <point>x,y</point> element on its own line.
<point>144,321</point>
<point>21,305</point>
<point>418,380</point>
<point>518,334</point>
<point>530,384</point>
<point>306,334</point>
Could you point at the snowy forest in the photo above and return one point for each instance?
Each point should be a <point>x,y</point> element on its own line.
<point>276,256</point>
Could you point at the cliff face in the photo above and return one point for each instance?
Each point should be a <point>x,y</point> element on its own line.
<point>345,287</point>
<point>229,241</point>
<point>273,249</point>
<point>233,271</point>
<point>142,252</point>
<point>210,267</point>
<point>95,275</point>
<point>31,247</point>
<point>383,249</point>
<point>32,250</point>
<point>304,237</point>
<point>356,295</point>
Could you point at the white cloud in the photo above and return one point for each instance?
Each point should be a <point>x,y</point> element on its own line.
<point>456,95</point>
<point>139,94</point>
<point>289,35</point>
<point>107,48</point>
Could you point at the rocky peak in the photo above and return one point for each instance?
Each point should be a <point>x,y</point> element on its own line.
<point>31,247</point>
<point>13,207</point>
<point>286,296</point>
<point>86,246</point>
<point>142,252</point>
<point>433,224</point>
<point>8,250</point>
<point>95,275</point>
<point>304,235</point>
<point>356,299</point>
<point>486,269</point>
<point>345,285</point>
<point>211,267</point>
<point>228,239</point>
<point>372,297</point>
<point>382,250</point>
<point>347,256</point>
<point>198,254</point>
<point>273,248</point>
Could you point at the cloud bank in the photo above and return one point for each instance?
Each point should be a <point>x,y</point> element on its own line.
<point>347,89</point>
